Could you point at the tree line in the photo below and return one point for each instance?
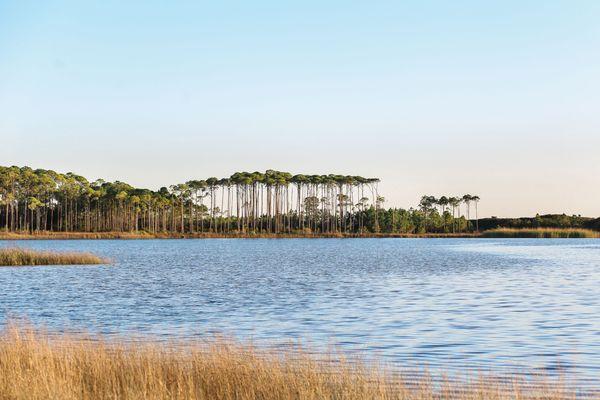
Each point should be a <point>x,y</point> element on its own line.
<point>246,202</point>
<point>557,221</point>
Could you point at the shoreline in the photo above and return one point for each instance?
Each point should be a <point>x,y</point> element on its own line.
<point>167,235</point>
<point>501,233</point>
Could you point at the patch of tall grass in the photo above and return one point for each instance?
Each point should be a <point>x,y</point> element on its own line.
<point>47,235</point>
<point>51,235</point>
<point>549,233</point>
<point>16,256</point>
<point>34,366</point>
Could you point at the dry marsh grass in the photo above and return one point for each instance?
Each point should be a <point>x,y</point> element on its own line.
<point>548,233</point>
<point>47,235</point>
<point>16,256</point>
<point>51,235</point>
<point>34,366</point>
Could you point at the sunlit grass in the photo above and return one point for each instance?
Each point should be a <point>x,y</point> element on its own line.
<point>34,365</point>
<point>48,235</point>
<point>16,256</point>
<point>541,233</point>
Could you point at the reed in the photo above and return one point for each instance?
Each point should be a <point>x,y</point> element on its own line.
<point>548,233</point>
<point>47,235</point>
<point>35,365</point>
<point>51,235</point>
<point>16,256</point>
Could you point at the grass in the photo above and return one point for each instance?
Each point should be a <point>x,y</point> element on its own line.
<point>540,233</point>
<point>47,235</point>
<point>20,257</point>
<point>35,365</point>
<point>78,235</point>
<point>492,233</point>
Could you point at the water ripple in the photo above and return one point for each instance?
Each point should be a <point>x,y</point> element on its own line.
<point>453,304</point>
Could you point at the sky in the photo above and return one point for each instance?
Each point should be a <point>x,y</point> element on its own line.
<point>499,99</point>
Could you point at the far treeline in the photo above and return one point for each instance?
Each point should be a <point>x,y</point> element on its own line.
<point>552,221</point>
<point>246,202</point>
<point>272,202</point>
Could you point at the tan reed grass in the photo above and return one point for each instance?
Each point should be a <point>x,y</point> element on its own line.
<point>549,233</point>
<point>16,256</point>
<point>35,365</point>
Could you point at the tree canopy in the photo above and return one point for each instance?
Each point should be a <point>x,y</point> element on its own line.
<point>246,202</point>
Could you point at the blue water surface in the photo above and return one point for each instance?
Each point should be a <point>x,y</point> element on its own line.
<point>452,304</point>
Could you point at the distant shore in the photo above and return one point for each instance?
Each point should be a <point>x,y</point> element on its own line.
<point>492,233</point>
<point>211,235</point>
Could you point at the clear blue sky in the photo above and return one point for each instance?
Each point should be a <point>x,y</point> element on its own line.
<point>501,99</point>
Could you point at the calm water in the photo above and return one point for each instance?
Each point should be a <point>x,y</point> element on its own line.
<point>486,304</point>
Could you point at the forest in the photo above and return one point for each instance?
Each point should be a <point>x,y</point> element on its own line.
<point>556,221</point>
<point>273,202</point>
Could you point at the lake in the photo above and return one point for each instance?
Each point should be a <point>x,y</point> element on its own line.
<point>449,304</point>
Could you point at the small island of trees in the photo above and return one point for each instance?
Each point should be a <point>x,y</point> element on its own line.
<point>273,202</point>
